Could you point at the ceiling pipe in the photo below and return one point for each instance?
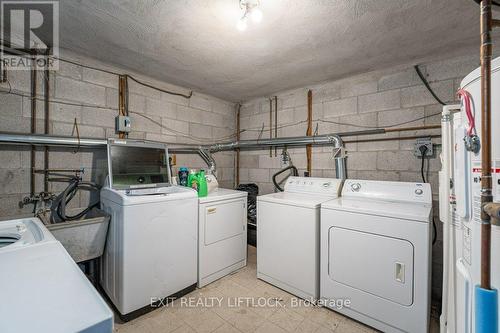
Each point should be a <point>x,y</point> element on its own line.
<point>279,142</point>
<point>33,127</point>
<point>205,152</point>
<point>70,141</point>
<point>330,139</point>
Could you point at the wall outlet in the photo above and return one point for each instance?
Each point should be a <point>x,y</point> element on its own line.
<point>426,142</point>
<point>122,124</point>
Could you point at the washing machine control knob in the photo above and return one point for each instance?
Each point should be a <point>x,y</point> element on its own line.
<point>356,187</point>
<point>419,191</point>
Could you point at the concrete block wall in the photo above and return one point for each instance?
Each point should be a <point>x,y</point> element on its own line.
<point>202,119</point>
<point>376,99</point>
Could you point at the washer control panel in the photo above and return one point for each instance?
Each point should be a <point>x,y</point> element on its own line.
<point>322,186</point>
<point>396,191</point>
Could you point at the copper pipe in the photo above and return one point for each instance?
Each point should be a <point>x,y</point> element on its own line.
<point>275,123</point>
<point>238,112</point>
<point>414,128</point>
<point>33,127</point>
<point>309,132</point>
<point>121,100</point>
<point>486,193</point>
<point>413,137</point>
<point>271,124</point>
<point>47,122</point>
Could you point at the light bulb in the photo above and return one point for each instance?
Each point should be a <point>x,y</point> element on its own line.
<point>256,15</point>
<point>242,24</point>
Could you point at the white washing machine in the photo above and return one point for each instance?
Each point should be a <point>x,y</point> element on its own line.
<point>151,248</point>
<point>222,234</point>
<point>375,254</point>
<point>288,234</point>
<point>41,285</point>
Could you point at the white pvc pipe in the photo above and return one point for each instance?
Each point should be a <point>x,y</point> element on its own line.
<point>444,203</point>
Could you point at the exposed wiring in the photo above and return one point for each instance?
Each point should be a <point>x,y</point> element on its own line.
<point>85,105</point>
<point>260,132</point>
<point>87,66</point>
<point>193,137</point>
<point>423,151</point>
<point>259,129</point>
<point>77,130</point>
<point>465,97</point>
<point>426,84</point>
<point>187,96</point>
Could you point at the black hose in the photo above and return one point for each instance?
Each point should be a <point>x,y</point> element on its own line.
<point>295,172</point>
<point>422,166</point>
<point>423,150</point>
<point>69,193</point>
<point>494,3</point>
<point>426,84</point>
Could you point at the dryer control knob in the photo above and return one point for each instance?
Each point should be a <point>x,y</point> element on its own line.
<point>356,187</point>
<point>419,191</point>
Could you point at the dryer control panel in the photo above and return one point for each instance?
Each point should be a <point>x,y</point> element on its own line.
<point>392,191</point>
<point>320,186</point>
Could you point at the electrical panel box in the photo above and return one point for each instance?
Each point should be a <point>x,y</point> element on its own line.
<point>424,142</point>
<point>123,124</point>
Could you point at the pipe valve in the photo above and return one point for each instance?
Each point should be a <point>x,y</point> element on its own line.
<point>492,209</point>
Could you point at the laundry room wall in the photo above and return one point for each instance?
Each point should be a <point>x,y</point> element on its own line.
<point>202,119</point>
<point>376,99</point>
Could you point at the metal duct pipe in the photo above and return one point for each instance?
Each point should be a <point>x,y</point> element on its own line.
<point>59,140</point>
<point>209,159</point>
<point>69,141</point>
<point>340,164</point>
<point>327,139</point>
<point>204,153</point>
<point>50,140</point>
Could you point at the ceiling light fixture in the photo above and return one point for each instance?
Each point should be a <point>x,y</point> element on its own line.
<point>249,8</point>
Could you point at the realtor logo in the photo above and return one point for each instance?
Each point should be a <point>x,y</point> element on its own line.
<point>30,35</point>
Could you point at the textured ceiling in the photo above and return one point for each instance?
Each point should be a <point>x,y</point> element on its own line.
<point>195,43</point>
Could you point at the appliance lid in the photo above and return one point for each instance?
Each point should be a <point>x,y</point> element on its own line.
<point>295,199</point>
<point>420,212</point>
<point>22,232</point>
<point>64,289</point>
<point>223,194</point>
<point>134,164</point>
<point>390,191</point>
<point>142,196</point>
<point>314,185</point>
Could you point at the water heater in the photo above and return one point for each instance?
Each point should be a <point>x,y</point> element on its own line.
<point>460,200</point>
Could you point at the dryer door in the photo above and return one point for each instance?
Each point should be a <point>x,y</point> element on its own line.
<point>375,264</point>
<point>223,220</point>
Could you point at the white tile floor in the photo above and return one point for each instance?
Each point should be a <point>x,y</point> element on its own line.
<point>178,317</point>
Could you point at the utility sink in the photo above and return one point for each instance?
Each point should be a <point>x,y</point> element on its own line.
<point>84,239</point>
